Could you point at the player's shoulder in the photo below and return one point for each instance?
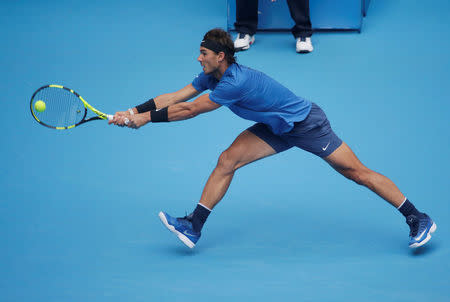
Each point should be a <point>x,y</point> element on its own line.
<point>234,75</point>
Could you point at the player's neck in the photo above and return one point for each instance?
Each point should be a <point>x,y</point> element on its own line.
<point>218,73</point>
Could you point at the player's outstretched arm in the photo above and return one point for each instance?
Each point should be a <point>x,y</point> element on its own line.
<point>182,95</point>
<point>164,100</point>
<point>184,111</point>
<point>176,112</point>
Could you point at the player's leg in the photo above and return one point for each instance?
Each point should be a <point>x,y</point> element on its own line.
<point>253,144</point>
<point>345,162</point>
<point>245,149</point>
<point>315,135</point>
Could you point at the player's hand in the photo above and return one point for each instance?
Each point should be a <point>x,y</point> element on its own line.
<point>138,120</point>
<point>120,118</point>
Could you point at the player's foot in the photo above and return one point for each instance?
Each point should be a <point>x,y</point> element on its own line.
<point>182,227</point>
<point>243,41</point>
<point>421,228</point>
<point>304,45</point>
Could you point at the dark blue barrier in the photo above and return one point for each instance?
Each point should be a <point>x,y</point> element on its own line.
<point>325,14</point>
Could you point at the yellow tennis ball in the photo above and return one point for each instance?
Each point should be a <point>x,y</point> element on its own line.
<point>39,106</point>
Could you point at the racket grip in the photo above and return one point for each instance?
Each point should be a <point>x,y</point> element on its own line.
<point>110,117</point>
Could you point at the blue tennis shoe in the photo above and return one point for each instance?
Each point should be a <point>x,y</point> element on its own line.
<point>421,229</point>
<point>182,227</point>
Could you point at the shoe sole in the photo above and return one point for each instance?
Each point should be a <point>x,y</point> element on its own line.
<point>171,228</point>
<point>432,230</point>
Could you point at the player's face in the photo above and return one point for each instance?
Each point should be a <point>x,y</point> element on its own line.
<point>208,59</point>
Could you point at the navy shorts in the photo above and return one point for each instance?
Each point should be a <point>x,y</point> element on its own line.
<point>313,134</point>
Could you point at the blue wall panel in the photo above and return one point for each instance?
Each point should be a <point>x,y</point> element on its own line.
<point>325,15</point>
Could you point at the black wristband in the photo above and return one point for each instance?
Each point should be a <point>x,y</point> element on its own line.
<point>159,116</point>
<point>147,106</point>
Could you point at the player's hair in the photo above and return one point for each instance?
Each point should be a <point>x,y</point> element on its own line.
<point>222,37</point>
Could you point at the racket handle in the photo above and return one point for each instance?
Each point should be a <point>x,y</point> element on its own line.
<point>110,117</point>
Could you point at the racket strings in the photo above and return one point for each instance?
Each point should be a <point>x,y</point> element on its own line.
<point>63,108</point>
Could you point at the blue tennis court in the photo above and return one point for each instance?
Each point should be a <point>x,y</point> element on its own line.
<point>79,208</point>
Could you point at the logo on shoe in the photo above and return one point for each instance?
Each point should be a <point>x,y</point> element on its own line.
<point>189,234</point>
<point>421,235</point>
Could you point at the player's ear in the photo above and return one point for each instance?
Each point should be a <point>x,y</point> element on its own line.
<point>221,56</point>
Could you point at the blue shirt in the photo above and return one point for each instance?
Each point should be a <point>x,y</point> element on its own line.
<point>255,96</point>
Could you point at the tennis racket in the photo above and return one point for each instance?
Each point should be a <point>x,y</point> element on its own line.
<point>62,108</point>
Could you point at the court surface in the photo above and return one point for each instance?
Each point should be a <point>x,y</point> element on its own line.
<point>78,209</point>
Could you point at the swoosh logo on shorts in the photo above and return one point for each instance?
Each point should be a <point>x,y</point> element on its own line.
<point>326,147</point>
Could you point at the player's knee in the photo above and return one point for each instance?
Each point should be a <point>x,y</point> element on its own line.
<point>360,176</point>
<point>227,162</point>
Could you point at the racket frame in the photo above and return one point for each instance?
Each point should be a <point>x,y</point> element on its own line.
<point>100,115</point>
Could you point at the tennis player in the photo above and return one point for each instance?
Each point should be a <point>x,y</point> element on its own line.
<point>283,120</point>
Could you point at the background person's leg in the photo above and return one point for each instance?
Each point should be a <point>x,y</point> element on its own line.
<point>246,16</point>
<point>299,10</point>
